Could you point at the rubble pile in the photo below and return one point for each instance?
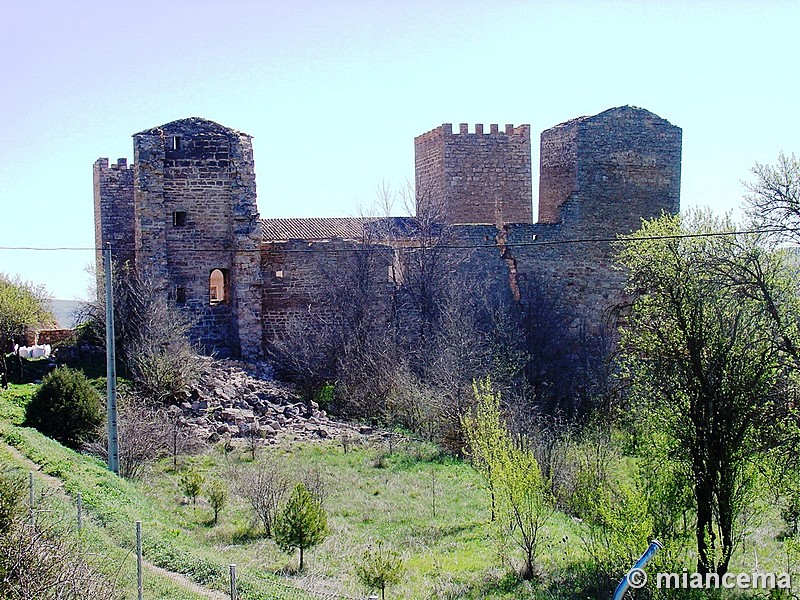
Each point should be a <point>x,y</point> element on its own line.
<point>240,400</point>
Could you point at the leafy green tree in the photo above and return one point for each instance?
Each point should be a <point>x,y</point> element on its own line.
<point>704,361</point>
<point>486,437</point>
<point>380,568</point>
<point>22,305</point>
<point>192,483</point>
<point>66,408</point>
<point>301,524</point>
<point>528,504</point>
<point>217,494</point>
<point>521,497</point>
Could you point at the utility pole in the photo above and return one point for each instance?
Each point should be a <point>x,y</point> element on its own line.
<point>111,369</point>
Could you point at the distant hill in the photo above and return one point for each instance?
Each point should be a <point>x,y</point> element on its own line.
<point>64,310</point>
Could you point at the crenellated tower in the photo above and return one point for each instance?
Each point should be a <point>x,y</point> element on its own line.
<point>113,209</point>
<point>479,177</point>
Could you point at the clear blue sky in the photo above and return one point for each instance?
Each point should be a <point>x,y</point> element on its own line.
<point>334,93</point>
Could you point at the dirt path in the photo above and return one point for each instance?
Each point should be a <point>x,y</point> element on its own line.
<point>57,486</point>
<point>185,582</point>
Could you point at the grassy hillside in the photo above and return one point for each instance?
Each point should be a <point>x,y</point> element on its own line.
<point>431,508</point>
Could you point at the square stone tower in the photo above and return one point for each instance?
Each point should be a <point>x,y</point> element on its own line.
<point>480,177</point>
<point>602,174</point>
<point>114,211</point>
<point>197,228</point>
<point>186,216</point>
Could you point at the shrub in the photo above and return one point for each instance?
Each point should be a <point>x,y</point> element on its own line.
<point>265,486</point>
<point>42,560</point>
<point>66,408</point>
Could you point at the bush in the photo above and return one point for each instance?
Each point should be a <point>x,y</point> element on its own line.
<point>66,408</point>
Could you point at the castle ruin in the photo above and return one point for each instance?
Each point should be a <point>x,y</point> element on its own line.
<point>185,214</point>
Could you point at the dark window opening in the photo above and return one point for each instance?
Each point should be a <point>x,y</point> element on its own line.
<point>218,287</point>
<point>179,218</point>
<point>180,295</point>
<point>176,142</point>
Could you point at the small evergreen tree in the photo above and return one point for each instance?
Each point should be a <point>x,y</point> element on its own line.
<point>66,408</point>
<point>217,495</point>
<point>191,483</point>
<point>379,568</point>
<point>302,523</point>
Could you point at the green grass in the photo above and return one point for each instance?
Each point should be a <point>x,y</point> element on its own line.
<point>433,509</point>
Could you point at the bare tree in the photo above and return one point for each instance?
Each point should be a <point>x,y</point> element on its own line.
<point>265,485</point>
<point>142,435</point>
<point>152,335</point>
<point>774,197</point>
<point>313,478</point>
<point>41,559</point>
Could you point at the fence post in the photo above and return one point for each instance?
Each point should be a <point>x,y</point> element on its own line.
<point>233,582</point>
<point>80,511</point>
<point>30,498</point>
<point>139,558</point>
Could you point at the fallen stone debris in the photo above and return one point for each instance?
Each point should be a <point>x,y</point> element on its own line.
<point>235,400</point>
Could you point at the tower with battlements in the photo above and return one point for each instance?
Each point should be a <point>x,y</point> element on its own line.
<point>478,177</point>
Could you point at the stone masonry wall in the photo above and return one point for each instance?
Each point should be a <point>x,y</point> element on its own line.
<point>601,175</point>
<point>113,209</point>
<point>195,212</point>
<point>480,177</point>
<point>298,274</point>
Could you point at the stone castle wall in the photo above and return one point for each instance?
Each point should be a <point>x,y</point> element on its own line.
<point>188,207</point>
<point>302,281</point>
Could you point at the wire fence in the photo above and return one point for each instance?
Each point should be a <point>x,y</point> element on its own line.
<point>245,585</point>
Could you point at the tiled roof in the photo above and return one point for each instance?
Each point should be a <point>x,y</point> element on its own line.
<point>312,228</point>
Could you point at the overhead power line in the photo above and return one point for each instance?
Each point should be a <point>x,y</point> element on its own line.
<point>442,246</point>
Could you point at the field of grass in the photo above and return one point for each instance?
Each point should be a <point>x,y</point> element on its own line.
<point>431,508</point>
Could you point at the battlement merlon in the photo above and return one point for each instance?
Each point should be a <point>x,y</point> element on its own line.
<point>445,130</point>
<point>101,164</point>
